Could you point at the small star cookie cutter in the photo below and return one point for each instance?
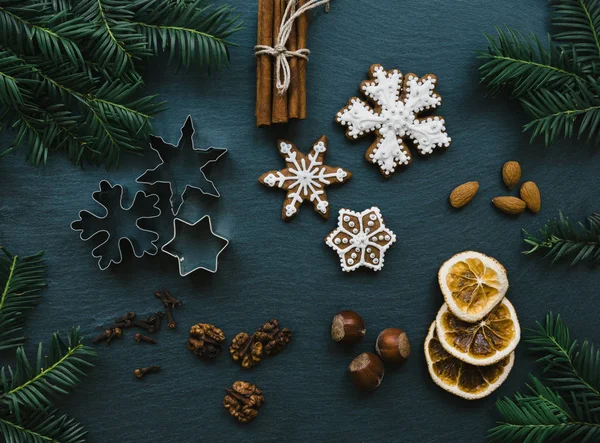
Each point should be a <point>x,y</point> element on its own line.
<point>202,227</point>
<point>186,141</point>
<point>109,251</point>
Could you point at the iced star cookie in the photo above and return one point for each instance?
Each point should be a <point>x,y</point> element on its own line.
<point>305,178</point>
<point>360,239</point>
<point>397,103</point>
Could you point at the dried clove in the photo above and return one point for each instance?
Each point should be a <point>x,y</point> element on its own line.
<point>205,340</point>
<point>141,372</point>
<point>144,325</point>
<point>139,338</point>
<point>169,302</point>
<point>125,321</point>
<point>243,401</point>
<point>108,335</point>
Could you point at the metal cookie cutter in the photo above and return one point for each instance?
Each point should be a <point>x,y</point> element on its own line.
<point>175,160</point>
<point>119,224</point>
<point>189,242</point>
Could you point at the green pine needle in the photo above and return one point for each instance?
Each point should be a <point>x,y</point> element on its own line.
<point>561,239</point>
<point>42,427</point>
<point>68,75</point>
<point>565,404</point>
<point>21,279</point>
<point>557,85</point>
<point>33,386</point>
<point>27,389</point>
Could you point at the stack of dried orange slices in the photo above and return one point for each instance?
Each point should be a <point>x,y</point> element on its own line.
<point>470,345</point>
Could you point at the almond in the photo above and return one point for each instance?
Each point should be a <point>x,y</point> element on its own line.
<point>530,194</point>
<point>509,205</point>
<point>463,194</point>
<point>511,173</point>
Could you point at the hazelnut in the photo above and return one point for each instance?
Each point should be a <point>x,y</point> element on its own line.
<point>366,371</point>
<point>347,327</point>
<point>392,345</point>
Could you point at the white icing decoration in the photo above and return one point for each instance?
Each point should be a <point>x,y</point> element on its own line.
<point>397,118</point>
<point>306,180</point>
<point>362,242</point>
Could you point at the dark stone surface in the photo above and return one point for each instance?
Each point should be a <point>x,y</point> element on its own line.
<point>284,270</point>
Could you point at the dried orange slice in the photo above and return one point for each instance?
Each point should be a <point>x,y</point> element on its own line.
<point>484,342</point>
<point>472,284</point>
<point>460,378</point>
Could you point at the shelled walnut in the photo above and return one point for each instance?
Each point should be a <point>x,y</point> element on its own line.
<point>269,339</point>
<point>206,340</point>
<point>273,338</point>
<point>243,401</point>
<point>246,349</point>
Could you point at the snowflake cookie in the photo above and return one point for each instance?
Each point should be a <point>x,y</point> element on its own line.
<point>361,239</point>
<point>398,102</point>
<point>306,177</point>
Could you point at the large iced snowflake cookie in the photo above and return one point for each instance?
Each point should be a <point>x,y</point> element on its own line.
<point>361,239</point>
<point>305,177</point>
<point>398,101</point>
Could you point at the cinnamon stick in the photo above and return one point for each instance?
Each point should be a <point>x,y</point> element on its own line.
<point>293,91</point>
<point>264,63</point>
<point>301,33</point>
<point>279,110</point>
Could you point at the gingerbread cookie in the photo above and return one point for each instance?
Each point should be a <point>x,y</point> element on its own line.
<point>306,177</point>
<point>361,239</point>
<point>398,102</point>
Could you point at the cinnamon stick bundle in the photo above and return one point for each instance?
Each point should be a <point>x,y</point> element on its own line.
<point>271,107</point>
<point>280,102</point>
<point>302,32</point>
<point>264,68</point>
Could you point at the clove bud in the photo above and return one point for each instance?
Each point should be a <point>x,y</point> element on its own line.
<point>139,338</point>
<point>141,372</point>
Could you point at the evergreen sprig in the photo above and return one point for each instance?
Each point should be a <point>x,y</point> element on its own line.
<point>560,239</point>
<point>21,279</point>
<point>69,77</point>
<point>557,84</point>
<point>27,389</point>
<point>565,404</point>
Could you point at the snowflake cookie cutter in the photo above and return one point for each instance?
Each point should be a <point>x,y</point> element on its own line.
<point>398,103</point>
<point>204,227</point>
<point>305,178</point>
<point>168,153</point>
<point>108,252</point>
<point>361,239</point>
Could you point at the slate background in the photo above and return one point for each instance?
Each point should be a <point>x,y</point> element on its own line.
<point>274,269</point>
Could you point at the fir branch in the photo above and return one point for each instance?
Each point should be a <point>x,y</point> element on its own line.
<point>560,238</point>
<point>570,367</point>
<point>68,76</point>
<point>193,30</point>
<point>32,387</point>
<point>524,64</point>
<point>29,27</point>
<point>573,113</point>
<point>115,42</point>
<point>42,427</point>
<point>563,406</point>
<point>558,85</point>
<point>577,24</point>
<point>21,279</point>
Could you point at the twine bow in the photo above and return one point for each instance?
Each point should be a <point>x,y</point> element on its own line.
<point>279,50</point>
